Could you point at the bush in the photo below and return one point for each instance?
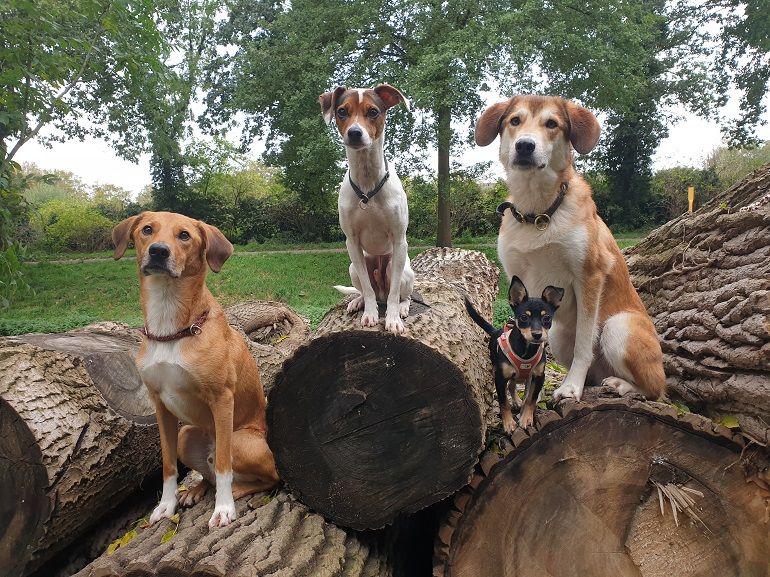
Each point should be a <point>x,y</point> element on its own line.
<point>75,226</point>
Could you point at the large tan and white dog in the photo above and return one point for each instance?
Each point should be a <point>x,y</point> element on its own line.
<point>552,235</point>
<point>196,367</point>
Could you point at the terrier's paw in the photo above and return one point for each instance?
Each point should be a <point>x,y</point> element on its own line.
<point>356,304</point>
<point>526,419</point>
<point>370,319</point>
<point>395,325</point>
<point>165,509</point>
<point>508,423</point>
<point>403,308</point>
<point>193,495</point>
<point>223,515</point>
<point>568,390</point>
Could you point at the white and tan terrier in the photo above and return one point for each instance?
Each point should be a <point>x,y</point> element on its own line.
<point>552,235</point>
<point>196,367</point>
<point>372,205</point>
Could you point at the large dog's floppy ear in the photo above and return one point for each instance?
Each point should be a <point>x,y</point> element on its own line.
<point>328,101</point>
<point>553,295</point>
<point>391,96</point>
<point>584,128</point>
<point>121,235</point>
<point>517,292</point>
<point>218,248</point>
<point>488,125</point>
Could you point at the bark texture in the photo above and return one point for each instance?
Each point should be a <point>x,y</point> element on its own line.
<point>705,279</point>
<point>366,425</point>
<point>272,536</point>
<point>576,495</point>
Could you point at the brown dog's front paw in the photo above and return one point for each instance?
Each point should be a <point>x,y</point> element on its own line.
<point>194,494</point>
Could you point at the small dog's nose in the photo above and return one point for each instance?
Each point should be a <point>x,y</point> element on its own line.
<point>525,146</point>
<point>355,134</point>
<point>536,336</point>
<point>159,251</point>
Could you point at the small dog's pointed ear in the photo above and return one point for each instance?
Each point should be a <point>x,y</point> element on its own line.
<point>218,248</point>
<point>328,101</point>
<point>391,96</point>
<point>517,292</point>
<point>584,128</point>
<point>488,124</point>
<point>121,235</point>
<point>553,295</point>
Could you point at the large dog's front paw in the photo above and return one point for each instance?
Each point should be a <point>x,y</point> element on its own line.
<point>356,304</point>
<point>394,324</point>
<point>164,509</point>
<point>370,318</point>
<point>403,308</point>
<point>569,389</point>
<point>224,514</point>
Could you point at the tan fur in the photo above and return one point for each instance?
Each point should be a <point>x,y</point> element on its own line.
<point>577,249</point>
<point>218,391</point>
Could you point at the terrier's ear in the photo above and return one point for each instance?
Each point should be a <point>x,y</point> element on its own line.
<point>121,235</point>
<point>488,125</point>
<point>553,295</point>
<point>584,128</point>
<point>218,248</point>
<point>391,96</point>
<point>517,292</point>
<point>328,101</point>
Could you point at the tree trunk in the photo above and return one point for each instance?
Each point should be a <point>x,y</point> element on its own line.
<point>271,536</point>
<point>705,279</point>
<point>579,497</point>
<point>444,141</point>
<point>365,425</point>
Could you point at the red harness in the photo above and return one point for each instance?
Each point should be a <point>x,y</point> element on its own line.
<point>523,366</point>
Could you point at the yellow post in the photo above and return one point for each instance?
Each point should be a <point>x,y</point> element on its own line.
<point>691,196</point>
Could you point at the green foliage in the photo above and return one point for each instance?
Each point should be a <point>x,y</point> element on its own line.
<point>669,191</point>
<point>69,225</point>
<point>732,164</point>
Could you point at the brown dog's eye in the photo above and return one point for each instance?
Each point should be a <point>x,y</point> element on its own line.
<point>147,230</point>
<point>372,113</point>
<point>550,123</point>
<point>342,113</point>
<point>184,235</point>
<point>515,121</point>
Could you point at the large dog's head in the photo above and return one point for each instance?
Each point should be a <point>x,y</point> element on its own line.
<point>171,244</point>
<point>360,112</point>
<point>538,132</point>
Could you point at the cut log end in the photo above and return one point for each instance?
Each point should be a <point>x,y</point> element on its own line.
<point>378,396</point>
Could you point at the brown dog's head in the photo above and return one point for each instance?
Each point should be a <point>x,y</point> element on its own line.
<point>360,112</point>
<point>536,131</point>
<point>171,244</point>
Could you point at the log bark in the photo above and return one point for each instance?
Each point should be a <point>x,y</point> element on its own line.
<point>271,536</point>
<point>576,495</point>
<point>365,425</point>
<point>705,279</point>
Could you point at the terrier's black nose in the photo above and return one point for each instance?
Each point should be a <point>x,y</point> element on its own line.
<point>159,251</point>
<point>536,336</point>
<point>525,146</point>
<point>355,134</point>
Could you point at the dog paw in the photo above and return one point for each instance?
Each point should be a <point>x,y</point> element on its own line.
<point>568,391</point>
<point>508,423</point>
<point>403,308</point>
<point>370,319</point>
<point>356,304</point>
<point>165,509</point>
<point>619,386</point>
<point>395,325</point>
<point>526,419</point>
<point>223,515</point>
<point>193,495</point>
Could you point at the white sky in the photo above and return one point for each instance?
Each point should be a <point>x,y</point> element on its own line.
<point>689,143</point>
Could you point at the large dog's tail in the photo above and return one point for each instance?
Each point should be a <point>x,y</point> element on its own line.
<point>477,318</point>
<point>346,290</point>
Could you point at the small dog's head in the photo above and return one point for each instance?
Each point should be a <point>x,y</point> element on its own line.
<point>360,112</point>
<point>171,244</point>
<point>536,131</point>
<point>533,316</point>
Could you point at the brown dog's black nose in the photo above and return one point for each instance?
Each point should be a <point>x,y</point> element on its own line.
<point>525,146</point>
<point>355,134</point>
<point>159,251</point>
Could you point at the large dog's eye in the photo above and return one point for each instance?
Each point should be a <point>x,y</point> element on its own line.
<point>184,235</point>
<point>372,113</point>
<point>551,123</point>
<point>147,230</point>
<point>342,112</point>
<point>515,121</point>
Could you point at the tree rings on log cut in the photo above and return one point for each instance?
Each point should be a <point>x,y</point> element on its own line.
<point>579,497</point>
<point>369,420</point>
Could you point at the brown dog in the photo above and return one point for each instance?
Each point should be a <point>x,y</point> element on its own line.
<point>552,236</point>
<point>195,366</point>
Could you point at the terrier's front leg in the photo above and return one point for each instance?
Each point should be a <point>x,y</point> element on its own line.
<point>371,316</point>
<point>393,322</point>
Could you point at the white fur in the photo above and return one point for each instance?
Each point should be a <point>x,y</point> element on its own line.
<point>224,506</point>
<point>167,506</point>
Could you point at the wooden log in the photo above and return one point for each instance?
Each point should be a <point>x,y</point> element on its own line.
<point>272,535</point>
<point>578,495</point>
<point>705,279</point>
<point>365,425</point>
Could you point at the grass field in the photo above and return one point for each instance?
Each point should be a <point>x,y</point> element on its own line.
<point>68,295</point>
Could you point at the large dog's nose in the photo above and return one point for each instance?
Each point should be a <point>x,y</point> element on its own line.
<point>355,134</point>
<point>159,251</point>
<point>525,145</point>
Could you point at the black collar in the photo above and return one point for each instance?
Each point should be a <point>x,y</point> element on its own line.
<point>367,197</point>
<point>541,221</point>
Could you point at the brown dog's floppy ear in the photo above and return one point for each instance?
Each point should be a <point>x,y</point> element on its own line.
<point>328,101</point>
<point>584,128</point>
<point>121,235</point>
<point>553,295</point>
<point>391,96</point>
<point>218,248</point>
<point>517,292</point>
<point>488,125</point>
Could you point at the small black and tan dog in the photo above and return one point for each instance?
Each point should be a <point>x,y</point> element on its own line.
<point>518,349</point>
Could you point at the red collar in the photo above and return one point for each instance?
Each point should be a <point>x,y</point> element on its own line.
<point>523,366</point>
<point>193,329</point>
